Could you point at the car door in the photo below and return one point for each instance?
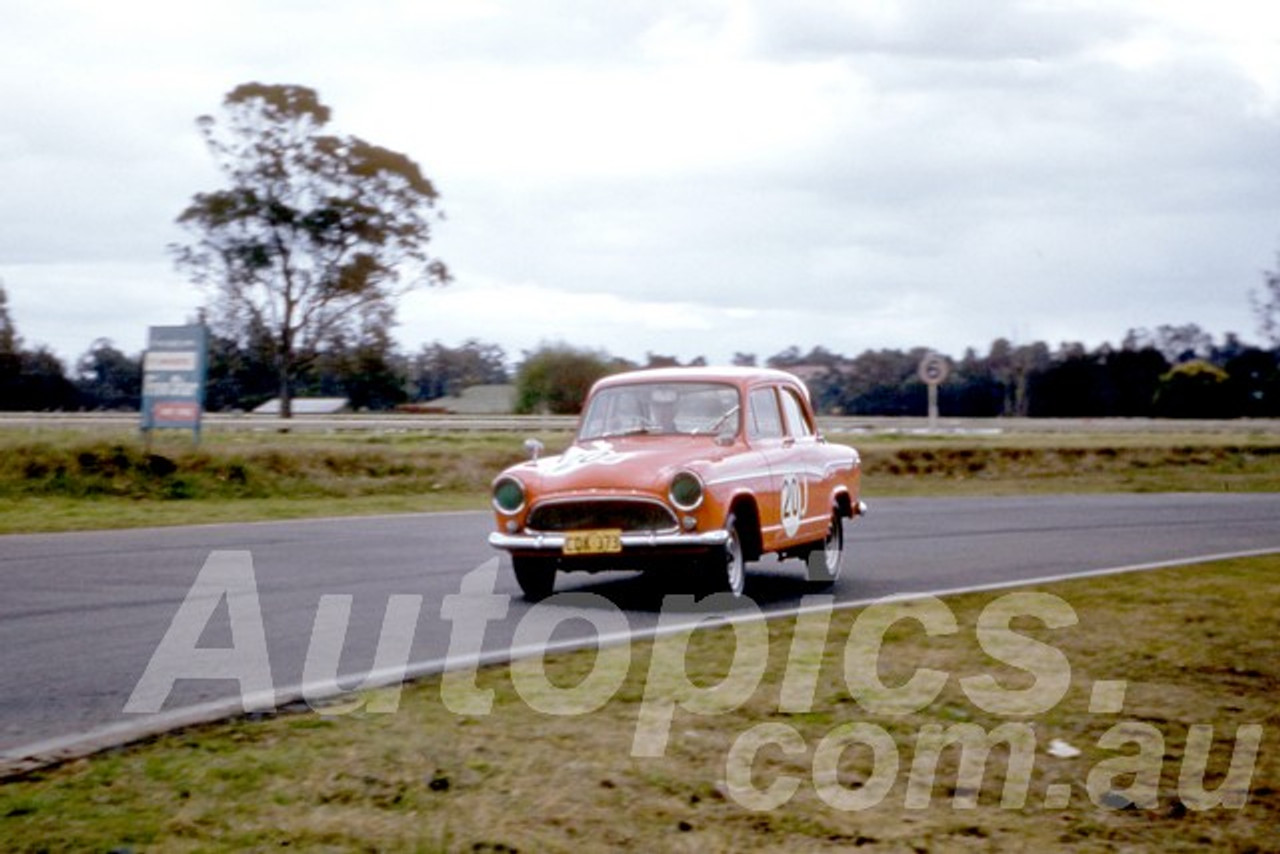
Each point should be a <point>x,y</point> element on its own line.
<point>803,486</point>
<point>765,433</point>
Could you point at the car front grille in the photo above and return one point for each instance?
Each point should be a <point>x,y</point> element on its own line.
<point>622,514</point>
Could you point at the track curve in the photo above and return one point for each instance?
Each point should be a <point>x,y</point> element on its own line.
<point>82,614</point>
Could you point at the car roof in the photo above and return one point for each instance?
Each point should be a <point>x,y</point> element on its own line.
<point>740,376</point>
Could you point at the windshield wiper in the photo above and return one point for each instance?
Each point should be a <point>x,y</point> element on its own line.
<point>717,425</point>
<point>630,431</point>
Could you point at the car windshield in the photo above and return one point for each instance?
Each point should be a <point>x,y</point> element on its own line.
<point>662,409</point>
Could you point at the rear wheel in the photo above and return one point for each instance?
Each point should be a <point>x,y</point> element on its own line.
<point>823,563</point>
<point>535,575</point>
<point>725,569</point>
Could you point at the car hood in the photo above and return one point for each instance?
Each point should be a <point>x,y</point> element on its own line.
<point>623,465</point>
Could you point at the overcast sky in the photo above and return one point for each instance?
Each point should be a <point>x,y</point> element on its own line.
<point>699,177</point>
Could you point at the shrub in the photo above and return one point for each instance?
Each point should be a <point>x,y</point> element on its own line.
<point>1194,389</point>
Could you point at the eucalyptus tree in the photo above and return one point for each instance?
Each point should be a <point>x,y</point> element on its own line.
<point>313,233</point>
<point>1266,305</point>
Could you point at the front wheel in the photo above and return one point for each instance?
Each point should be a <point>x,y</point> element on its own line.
<point>823,563</point>
<point>726,569</point>
<point>536,576</point>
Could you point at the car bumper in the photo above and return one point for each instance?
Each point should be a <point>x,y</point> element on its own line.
<point>630,542</point>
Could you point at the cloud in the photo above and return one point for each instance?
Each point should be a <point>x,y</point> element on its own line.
<point>979,31</point>
<point>687,177</point>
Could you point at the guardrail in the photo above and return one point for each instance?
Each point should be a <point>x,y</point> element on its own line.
<point>375,422</point>
<point>844,424</point>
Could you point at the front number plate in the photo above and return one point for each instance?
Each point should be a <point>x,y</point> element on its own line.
<point>593,542</point>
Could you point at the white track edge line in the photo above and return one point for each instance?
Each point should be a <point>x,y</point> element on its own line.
<point>30,757</point>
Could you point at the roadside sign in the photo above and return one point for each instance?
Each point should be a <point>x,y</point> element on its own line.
<point>933,371</point>
<point>173,371</point>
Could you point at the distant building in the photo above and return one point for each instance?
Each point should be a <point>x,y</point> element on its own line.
<point>479,400</point>
<point>307,406</point>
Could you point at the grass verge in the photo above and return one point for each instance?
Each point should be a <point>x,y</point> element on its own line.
<point>70,481</point>
<point>74,481</point>
<point>1195,646</point>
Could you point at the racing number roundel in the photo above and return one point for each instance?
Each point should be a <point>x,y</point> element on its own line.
<point>795,500</point>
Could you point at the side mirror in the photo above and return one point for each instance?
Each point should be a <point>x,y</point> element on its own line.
<point>533,447</point>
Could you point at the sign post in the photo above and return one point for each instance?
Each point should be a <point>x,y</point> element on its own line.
<point>933,372</point>
<point>173,372</point>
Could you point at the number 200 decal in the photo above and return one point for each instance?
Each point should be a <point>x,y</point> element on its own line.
<point>795,501</point>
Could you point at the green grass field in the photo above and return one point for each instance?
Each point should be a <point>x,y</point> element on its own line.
<point>72,480</point>
<point>1195,646</point>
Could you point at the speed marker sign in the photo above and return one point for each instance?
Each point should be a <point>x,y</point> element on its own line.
<point>934,369</point>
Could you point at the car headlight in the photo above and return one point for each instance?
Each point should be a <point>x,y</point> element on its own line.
<point>686,491</point>
<point>508,494</point>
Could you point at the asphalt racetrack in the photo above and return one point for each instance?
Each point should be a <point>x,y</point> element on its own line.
<point>82,614</point>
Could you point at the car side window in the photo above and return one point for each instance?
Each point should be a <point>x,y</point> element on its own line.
<point>765,421</point>
<point>797,425</point>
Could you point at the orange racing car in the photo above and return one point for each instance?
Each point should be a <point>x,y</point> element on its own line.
<point>682,470</point>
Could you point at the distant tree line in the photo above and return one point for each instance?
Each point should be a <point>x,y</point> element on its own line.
<point>368,370</point>
<point>1172,371</point>
<point>29,379</point>
<point>1175,371</point>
